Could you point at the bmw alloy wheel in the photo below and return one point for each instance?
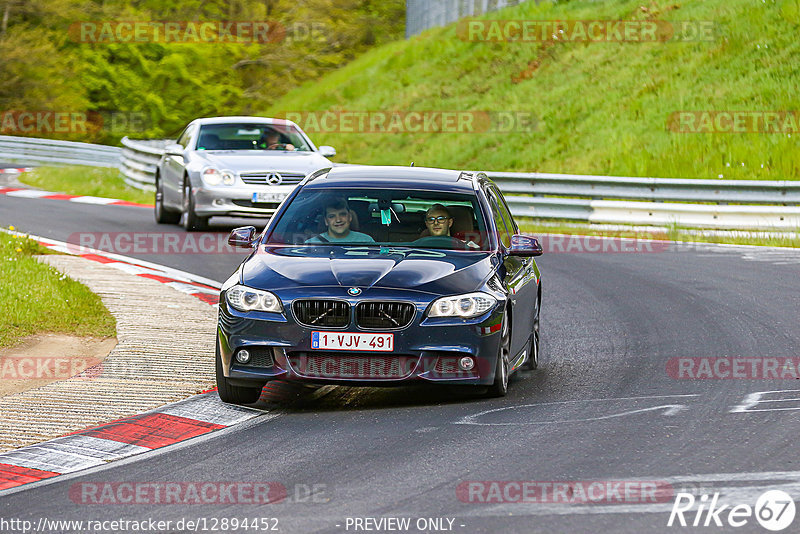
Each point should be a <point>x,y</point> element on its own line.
<point>500,386</point>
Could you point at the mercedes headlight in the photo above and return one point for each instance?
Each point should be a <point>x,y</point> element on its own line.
<point>468,305</point>
<point>212,177</point>
<point>247,299</point>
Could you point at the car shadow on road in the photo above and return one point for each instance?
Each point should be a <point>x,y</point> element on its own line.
<point>297,396</point>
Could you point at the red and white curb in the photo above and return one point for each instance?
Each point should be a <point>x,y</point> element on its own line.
<point>200,287</point>
<point>171,424</point>
<point>15,170</point>
<point>141,433</point>
<point>81,199</point>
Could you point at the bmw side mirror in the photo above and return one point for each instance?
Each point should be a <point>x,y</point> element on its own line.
<point>243,237</point>
<point>525,246</point>
<point>327,151</point>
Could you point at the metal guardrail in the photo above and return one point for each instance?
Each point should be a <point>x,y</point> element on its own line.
<point>424,14</point>
<point>652,189</point>
<point>139,160</point>
<point>600,199</point>
<point>51,151</point>
<point>732,204</point>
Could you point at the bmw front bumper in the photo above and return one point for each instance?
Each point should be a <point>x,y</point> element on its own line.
<point>427,350</point>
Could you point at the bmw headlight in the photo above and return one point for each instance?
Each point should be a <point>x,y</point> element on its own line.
<point>468,305</point>
<point>212,177</point>
<point>247,299</point>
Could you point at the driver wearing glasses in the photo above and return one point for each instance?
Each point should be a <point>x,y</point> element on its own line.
<point>438,220</point>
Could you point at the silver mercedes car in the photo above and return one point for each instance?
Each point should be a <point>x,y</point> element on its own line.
<point>233,166</point>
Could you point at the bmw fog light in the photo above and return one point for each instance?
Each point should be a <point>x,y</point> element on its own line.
<point>243,356</point>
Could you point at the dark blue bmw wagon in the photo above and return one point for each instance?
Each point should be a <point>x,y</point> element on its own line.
<point>381,276</point>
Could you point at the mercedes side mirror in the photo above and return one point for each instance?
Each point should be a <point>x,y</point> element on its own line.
<point>243,237</point>
<point>327,151</point>
<point>173,150</point>
<point>525,245</point>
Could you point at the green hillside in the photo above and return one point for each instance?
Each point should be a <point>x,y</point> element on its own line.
<point>601,107</point>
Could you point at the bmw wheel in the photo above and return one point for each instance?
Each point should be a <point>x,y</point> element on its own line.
<point>233,394</point>
<point>500,386</point>
<point>533,356</point>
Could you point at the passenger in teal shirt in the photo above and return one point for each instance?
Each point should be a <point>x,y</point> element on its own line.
<point>338,220</point>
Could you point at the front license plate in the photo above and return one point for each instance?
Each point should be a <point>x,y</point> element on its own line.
<point>352,341</point>
<point>266,198</point>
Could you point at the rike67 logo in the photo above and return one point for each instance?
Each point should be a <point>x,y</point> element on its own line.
<point>774,510</point>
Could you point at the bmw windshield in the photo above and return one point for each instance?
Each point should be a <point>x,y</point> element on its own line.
<point>366,217</point>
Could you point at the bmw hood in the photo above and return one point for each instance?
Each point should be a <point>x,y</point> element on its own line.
<point>433,271</point>
<point>264,160</point>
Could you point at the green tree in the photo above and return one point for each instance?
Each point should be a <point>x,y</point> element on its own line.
<point>167,84</point>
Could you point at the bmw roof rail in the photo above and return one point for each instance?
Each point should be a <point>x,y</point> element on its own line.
<point>475,177</point>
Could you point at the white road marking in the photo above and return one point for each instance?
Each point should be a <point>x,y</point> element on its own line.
<point>773,255</point>
<point>753,399</point>
<point>669,410</point>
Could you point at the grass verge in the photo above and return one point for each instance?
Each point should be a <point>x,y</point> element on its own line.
<point>80,180</point>
<point>36,298</point>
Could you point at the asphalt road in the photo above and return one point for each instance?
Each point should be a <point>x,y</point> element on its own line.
<point>602,407</point>
<point>116,228</point>
<point>13,164</point>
